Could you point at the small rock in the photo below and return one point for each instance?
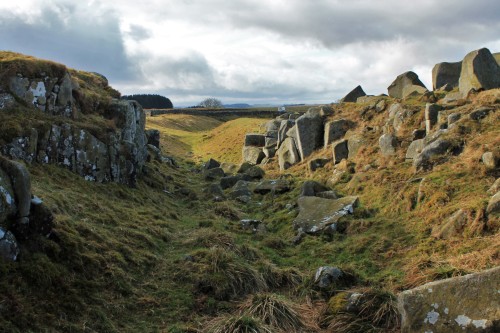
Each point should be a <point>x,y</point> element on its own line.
<point>211,164</point>
<point>490,160</point>
<point>326,276</point>
<point>9,250</point>
<point>494,204</point>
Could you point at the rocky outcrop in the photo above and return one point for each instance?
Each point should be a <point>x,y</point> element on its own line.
<point>446,73</point>
<point>309,129</point>
<point>405,84</point>
<point>317,215</point>
<point>479,71</point>
<point>468,303</point>
<point>353,95</point>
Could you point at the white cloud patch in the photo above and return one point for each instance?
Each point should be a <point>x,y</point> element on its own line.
<point>251,51</point>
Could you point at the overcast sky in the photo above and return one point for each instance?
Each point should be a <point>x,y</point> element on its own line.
<point>250,51</point>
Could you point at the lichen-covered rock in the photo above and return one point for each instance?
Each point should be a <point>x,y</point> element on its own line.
<point>311,188</point>
<point>318,215</point>
<point>490,160</point>
<point>326,276</point>
<point>469,303</point>
<point>353,95</point>
<point>9,250</point>
<point>255,172</point>
<point>230,181</point>
<point>153,137</point>
<point>415,148</point>
<point>431,115</point>
<point>446,73</point>
<point>479,71</point>
<point>288,154</point>
<point>285,126</point>
<point>23,148</point>
<point>405,84</point>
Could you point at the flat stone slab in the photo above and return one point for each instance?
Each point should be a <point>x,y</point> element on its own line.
<point>469,303</point>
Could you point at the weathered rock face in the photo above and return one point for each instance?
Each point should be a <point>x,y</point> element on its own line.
<point>118,156</point>
<point>446,73</point>
<point>318,215</point>
<point>431,116</point>
<point>405,84</point>
<point>468,303</point>
<point>309,134</point>
<point>494,204</point>
<point>311,188</point>
<point>353,95</point>
<point>272,185</point>
<point>415,149</point>
<point>288,154</point>
<point>256,140</point>
<point>153,137</point>
<point>285,126</point>
<point>479,71</point>
<point>9,250</point>
<point>436,148</point>
<point>335,130</point>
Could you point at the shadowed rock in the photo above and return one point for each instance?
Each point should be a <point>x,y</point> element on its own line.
<point>405,84</point>
<point>353,95</point>
<point>446,73</point>
<point>479,71</point>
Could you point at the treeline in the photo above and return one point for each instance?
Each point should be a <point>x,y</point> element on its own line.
<point>150,101</point>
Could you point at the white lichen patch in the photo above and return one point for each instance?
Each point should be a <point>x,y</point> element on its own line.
<point>480,323</point>
<point>432,317</point>
<point>8,198</point>
<point>446,311</point>
<point>435,306</point>
<point>463,320</point>
<point>38,91</point>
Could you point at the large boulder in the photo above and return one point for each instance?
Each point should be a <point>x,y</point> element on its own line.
<point>431,116</point>
<point>430,151</point>
<point>318,215</point>
<point>288,154</point>
<point>15,188</point>
<point>405,84</point>
<point>446,73</point>
<point>335,130</point>
<point>276,186</point>
<point>253,155</point>
<point>387,144</point>
<point>340,151</point>
<point>309,133</point>
<point>285,126</point>
<point>469,303</point>
<point>479,71</point>
<point>353,95</point>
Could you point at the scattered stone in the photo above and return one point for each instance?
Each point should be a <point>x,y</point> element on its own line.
<point>211,164</point>
<point>253,225</point>
<point>353,95</point>
<point>229,168</point>
<point>311,188</point>
<point>494,205</point>
<point>230,181</point>
<point>240,189</point>
<point>453,118</point>
<point>340,151</point>
<point>244,167</point>
<point>317,215</point>
<point>446,74</point>
<point>479,71</point>
<point>467,303</point>
<point>380,106</point>
<point>480,113</point>
<point>327,276</point>
<point>405,84</point>
<point>276,186</point>
<point>415,148</point>
<point>388,144</point>
<point>490,160</point>
<point>495,187</point>
<point>453,227</point>
<point>255,172</point>
<point>436,148</point>
<point>418,134</point>
<point>213,174</point>
<point>317,163</point>
<point>215,191</point>
<point>9,250</point>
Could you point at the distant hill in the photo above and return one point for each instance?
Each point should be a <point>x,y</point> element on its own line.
<point>149,101</point>
<point>237,106</point>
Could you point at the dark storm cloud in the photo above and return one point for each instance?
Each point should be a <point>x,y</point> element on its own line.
<point>63,33</point>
